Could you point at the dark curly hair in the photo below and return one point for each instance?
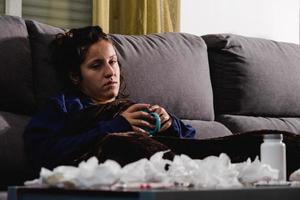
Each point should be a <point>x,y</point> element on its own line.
<point>69,51</point>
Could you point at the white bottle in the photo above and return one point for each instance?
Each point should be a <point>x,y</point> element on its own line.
<point>272,152</point>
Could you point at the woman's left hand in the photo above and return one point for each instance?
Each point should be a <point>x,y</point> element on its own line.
<point>165,118</point>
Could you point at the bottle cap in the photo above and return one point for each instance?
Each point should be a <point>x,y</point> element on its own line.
<point>273,136</point>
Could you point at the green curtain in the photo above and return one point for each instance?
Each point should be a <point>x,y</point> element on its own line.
<point>61,13</point>
<point>2,7</point>
<point>101,14</point>
<point>137,17</point>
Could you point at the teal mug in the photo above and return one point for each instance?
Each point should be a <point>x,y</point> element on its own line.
<point>157,124</point>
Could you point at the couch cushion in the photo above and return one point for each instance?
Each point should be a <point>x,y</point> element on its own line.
<point>14,168</point>
<point>15,67</point>
<point>239,123</point>
<point>169,69</point>
<point>46,82</point>
<point>208,129</point>
<point>252,76</point>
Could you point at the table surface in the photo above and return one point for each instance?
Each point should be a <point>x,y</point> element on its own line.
<point>257,193</point>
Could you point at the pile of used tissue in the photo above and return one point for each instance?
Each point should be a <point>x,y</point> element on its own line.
<point>211,172</point>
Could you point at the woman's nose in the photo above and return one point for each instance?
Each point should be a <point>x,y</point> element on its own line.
<point>109,70</point>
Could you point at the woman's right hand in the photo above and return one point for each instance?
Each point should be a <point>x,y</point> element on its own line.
<point>138,118</point>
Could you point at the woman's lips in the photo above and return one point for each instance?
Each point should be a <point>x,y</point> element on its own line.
<point>110,83</point>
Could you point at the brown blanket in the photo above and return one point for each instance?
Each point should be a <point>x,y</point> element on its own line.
<point>129,147</point>
<point>238,147</point>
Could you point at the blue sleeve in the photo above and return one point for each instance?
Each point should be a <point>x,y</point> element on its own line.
<point>48,145</point>
<point>179,129</point>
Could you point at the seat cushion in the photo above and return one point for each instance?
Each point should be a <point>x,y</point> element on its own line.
<point>169,69</point>
<point>46,81</point>
<point>15,67</point>
<point>252,76</point>
<point>208,129</point>
<point>239,123</point>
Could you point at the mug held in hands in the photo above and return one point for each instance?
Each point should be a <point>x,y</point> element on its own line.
<point>157,124</point>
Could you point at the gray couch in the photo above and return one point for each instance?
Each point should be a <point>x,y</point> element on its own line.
<point>221,84</point>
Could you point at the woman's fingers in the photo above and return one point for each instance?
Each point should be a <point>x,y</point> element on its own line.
<point>138,107</point>
<point>139,118</point>
<point>166,125</point>
<point>135,112</point>
<point>153,108</point>
<point>142,123</point>
<point>164,118</point>
<point>158,109</point>
<point>139,130</point>
<point>163,114</point>
<point>142,115</point>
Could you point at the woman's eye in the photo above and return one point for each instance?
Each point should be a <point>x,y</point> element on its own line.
<point>112,61</point>
<point>96,65</point>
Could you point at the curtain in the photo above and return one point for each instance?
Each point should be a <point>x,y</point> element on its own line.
<point>61,13</point>
<point>101,14</point>
<point>2,7</point>
<point>137,17</point>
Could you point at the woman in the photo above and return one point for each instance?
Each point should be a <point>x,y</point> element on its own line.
<point>74,121</point>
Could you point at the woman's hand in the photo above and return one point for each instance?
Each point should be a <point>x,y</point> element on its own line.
<point>138,118</point>
<point>166,120</point>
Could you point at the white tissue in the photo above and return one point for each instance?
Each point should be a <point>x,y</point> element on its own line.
<point>141,171</point>
<point>181,170</point>
<point>211,172</point>
<point>159,163</point>
<point>92,175</point>
<point>4,126</point>
<point>219,172</point>
<point>295,176</point>
<point>256,171</point>
<point>62,176</point>
<point>88,174</point>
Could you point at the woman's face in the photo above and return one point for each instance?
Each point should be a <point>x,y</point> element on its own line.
<point>100,73</point>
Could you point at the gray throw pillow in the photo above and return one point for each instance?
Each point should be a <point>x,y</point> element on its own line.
<point>46,81</point>
<point>252,76</point>
<point>169,69</point>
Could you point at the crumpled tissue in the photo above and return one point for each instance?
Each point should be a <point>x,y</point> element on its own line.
<point>145,170</point>
<point>89,174</point>
<point>295,178</point>
<point>252,172</point>
<point>211,172</point>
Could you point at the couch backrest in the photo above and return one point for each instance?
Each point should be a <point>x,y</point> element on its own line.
<point>16,80</point>
<point>168,69</point>
<point>252,76</point>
